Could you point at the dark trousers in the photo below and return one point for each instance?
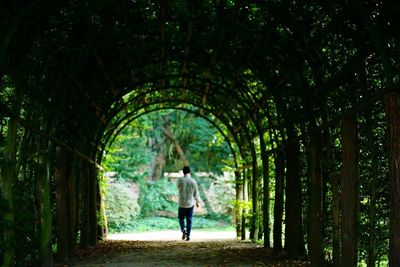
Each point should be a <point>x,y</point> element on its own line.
<point>185,213</point>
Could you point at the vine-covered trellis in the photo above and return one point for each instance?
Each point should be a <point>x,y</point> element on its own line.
<point>305,92</point>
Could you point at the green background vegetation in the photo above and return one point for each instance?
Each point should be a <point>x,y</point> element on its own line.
<point>134,155</point>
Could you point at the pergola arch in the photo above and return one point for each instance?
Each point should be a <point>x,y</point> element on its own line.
<point>226,122</point>
<point>147,99</point>
<point>67,69</point>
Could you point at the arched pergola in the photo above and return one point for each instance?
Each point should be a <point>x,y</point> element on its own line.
<point>289,82</point>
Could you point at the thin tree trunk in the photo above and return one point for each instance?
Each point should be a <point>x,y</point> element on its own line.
<point>278,206</point>
<point>392,104</point>
<point>245,200</point>
<point>8,177</point>
<point>62,223</point>
<point>43,181</point>
<point>374,184</point>
<point>238,211</point>
<point>350,192</point>
<point>72,204</point>
<point>92,194</point>
<point>102,229</point>
<point>84,210</point>
<point>316,247</point>
<point>265,200</point>
<point>255,203</point>
<point>335,200</point>
<point>294,244</point>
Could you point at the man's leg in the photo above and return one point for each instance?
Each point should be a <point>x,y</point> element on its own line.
<point>189,215</point>
<point>181,217</point>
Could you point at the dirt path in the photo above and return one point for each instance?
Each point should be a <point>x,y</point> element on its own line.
<point>166,249</point>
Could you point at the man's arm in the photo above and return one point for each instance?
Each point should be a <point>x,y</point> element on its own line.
<point>196,194</point>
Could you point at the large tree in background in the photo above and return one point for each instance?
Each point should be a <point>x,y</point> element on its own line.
<point>165,141</point>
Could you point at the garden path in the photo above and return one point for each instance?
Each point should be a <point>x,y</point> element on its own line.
<point>166,249</point>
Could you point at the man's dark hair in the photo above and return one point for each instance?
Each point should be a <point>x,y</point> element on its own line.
<point>186,170</point>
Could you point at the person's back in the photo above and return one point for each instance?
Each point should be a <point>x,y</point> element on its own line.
<point>188,191</point>
<point>188,197</point>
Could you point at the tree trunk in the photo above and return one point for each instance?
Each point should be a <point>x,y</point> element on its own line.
<point>102,229</point>
<point>158,164</point>
<point>278,206</point>
<point>92,194</point>
<point>335,201</point>
<point>84,210</point>
<point>350,192</point>
<point>8,177</point>
<point>239,197</point>
<point>62,207</point>
<point>392,104</point>
<point>316,247</point>
<point>72,205</point>
<point>245,200</point>
<point>178,148</point>
<point>255,203</point>
<point>43,182</point>
<point>265,200</point>
<point>294,244</point>
<point>374,184</point>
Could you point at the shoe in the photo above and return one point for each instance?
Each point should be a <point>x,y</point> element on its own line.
<point>183,235</point>
<point>188,238</point>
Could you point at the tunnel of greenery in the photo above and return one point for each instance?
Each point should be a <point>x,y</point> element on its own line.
<point>144,161</point>
<point>306,94</point>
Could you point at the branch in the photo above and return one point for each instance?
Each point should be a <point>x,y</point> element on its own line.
<point>178,148</point>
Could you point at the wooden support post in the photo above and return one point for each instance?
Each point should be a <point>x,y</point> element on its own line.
<point>278,205</point>
<point>255,203</point>
<point>294,243</point>
<point>392,105</point>
<point>336,244</point>
<point>102,228</point>
<point>245,200</point>
<point>7,183</point>
<point>43,187</point>
<point>62,207</point>
<point>72,204</point>
<point>265,195</point>
<point>350,192</point>
<point>92,194</point>
<point>266,219</point>
<point>239,197</point>
<point>316,247</point>
<point>84,210</point>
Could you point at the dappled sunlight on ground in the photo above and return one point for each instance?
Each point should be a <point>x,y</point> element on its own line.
<point>167,249</point>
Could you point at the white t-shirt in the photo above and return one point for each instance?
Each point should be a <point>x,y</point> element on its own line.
<point>188,192</point>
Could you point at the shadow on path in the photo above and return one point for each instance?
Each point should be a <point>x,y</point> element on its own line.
<point>202,250</point>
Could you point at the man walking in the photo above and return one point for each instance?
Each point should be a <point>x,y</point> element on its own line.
<point>188,196</point>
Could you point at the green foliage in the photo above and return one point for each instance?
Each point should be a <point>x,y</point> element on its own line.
<point>134,149</point>
<point>221,193</point>
<point>128,155</point>
<point>165,223</point>
<point>157,196</point>
<point>122,209</point>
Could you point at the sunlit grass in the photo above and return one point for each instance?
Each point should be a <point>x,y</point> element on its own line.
<point>164,223</point>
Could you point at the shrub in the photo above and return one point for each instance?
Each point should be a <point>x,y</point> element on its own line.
<point>122,209</point>
<point>157,196</point>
